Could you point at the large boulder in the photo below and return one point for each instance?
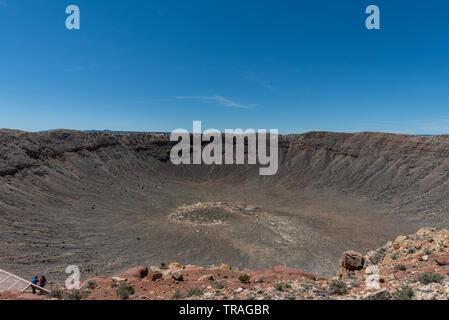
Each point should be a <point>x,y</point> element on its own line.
<point>441,238</point>
<point>351,261</point>
<point>375,256</point>
<point>173,267</point>
<point>154,273</point>
<point>399,242</point>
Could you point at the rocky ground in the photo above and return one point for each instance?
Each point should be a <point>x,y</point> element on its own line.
<point>413,267</point>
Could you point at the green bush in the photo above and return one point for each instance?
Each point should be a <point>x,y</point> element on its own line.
<point>400,267</point>
<point>430,277</point>
<point>404,293</point>
<point>75,295</point>
<point>244,278</point>
<point>282,286</point>
<point>219,284</point>
<point>92,284</point>
<point>338,287</point>
<point>178,294</point>
<point>56,293</point>
<point>124,291</point>
<point>163,266</point>
<point>195,292</point>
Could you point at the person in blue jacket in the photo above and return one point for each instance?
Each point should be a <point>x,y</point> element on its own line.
<point>35,282</point>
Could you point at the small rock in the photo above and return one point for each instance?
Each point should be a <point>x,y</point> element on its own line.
<point>442,260</point>
<point>177,275</point>
<point>118,279</point>
<point>207,277</point>
<point>383,294</point>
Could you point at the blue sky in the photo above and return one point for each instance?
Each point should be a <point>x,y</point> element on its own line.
<point>294,65</point>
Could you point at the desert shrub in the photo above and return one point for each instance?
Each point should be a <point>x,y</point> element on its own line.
<point>411,251</point>
<point>92,284</point>
<point>394,256</point>
<point>244,278</point>
<point>338,287</point>
<point>428,252</point>
<point>404,293</point>
<point>219,284</point>
<point>178,294</point>
<point>195,292</point>
<point>282,286</point>
<point>400,267</point>
<point>163,266</point>
<point>124,291</point>
<point>430,277</point>
<point>225,277</point>
<point>75,295</point>
<point>56,293</point>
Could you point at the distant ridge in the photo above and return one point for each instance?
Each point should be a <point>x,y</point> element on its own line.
<point>122,132</point>
<point>166,132</point>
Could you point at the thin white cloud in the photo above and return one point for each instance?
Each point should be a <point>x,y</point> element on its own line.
<point>258,80</point>
<point>218,100</point>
